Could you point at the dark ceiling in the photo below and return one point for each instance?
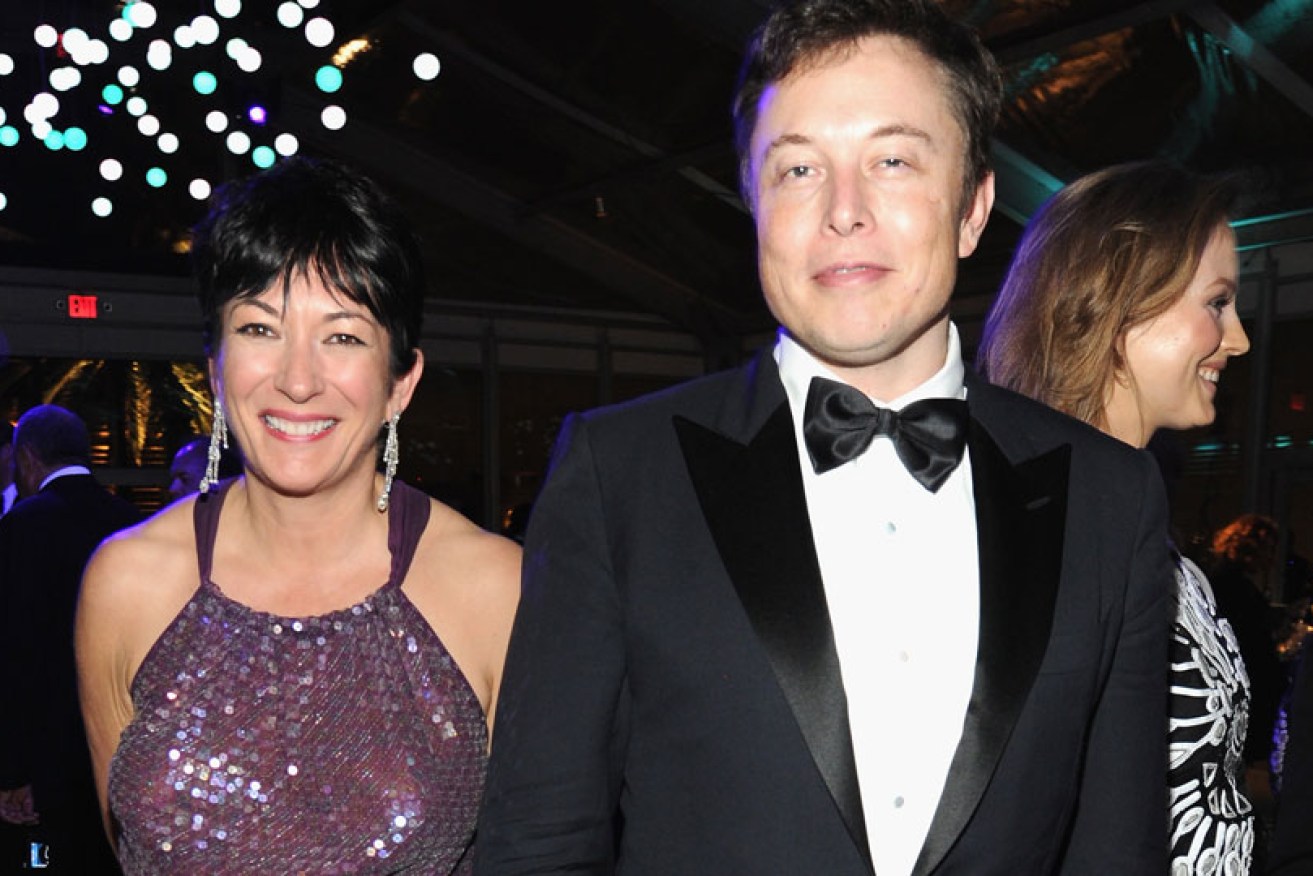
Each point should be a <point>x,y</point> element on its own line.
<point>576,153</point>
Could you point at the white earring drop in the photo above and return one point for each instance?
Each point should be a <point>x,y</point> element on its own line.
<point>390,457</point>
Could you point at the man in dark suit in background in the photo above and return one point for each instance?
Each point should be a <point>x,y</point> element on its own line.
<point>45,541</point>
<point>848,608</point>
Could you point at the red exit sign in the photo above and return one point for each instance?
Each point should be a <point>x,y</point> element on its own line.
<point>82,306</point>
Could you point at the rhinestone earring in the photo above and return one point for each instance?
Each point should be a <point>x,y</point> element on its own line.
<point>389,462</point>
<point>218,444</point>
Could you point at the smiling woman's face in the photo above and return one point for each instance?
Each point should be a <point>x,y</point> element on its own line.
<point>305,385</point>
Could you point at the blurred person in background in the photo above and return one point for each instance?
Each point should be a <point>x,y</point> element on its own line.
<point>188,467</point>
<point>45,542</point>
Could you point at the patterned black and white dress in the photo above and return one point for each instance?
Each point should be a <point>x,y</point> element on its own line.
<point>1212,821</point>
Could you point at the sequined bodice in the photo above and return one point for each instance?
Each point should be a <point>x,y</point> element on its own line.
<point>344,743</point>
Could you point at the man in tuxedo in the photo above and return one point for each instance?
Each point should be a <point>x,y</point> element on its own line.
<point>847,609</point>
<point>45,541</point>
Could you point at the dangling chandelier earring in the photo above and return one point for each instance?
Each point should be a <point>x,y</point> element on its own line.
<point>389,462</point>
<point>218,444</point>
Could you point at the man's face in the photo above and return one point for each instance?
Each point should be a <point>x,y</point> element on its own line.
<point>187,470</point>
<point>857,167</point>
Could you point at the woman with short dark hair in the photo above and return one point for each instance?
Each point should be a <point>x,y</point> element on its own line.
<point>295,671</point>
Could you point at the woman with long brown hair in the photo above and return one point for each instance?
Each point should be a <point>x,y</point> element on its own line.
<point>1119,309</point>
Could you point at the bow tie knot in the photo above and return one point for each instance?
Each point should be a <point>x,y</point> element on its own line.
<point>840,422</point>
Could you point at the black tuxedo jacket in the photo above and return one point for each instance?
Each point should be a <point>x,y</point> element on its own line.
<point>45,542</point>
<point>673,703</point>
<point>1291,852</point>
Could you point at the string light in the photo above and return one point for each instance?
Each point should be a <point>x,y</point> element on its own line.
<point>290,14</point>
<point>319,32</point>
<point>140,14</point>
<point>46,36</point>
<point>205,29</point>
<point>333,117</point>
<point>427,66</point>
<point>64,78</point>
<point>75,49</point>
<point>328,78</point>
<point>286,144</point>
<point>250,60</point>
<point>238,142</point>
<point>204,82</point>
<point>75,139</point>
<point>44,104</point>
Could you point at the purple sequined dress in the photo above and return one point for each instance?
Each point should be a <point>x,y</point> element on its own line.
<point>344,743</point>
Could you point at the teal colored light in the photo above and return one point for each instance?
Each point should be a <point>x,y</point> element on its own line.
<point>263,157</point>
<point>55,141</point>
<point>328,78</point>
<point>8,135</point>
<point>204,82</point>
<point>75,139</point>
<point>112,94</point>
<point>156,177</point>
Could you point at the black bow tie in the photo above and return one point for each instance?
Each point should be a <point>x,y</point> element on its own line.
<point>840,422</point>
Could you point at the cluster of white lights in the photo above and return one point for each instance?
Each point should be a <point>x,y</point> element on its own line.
<point>79,53</point>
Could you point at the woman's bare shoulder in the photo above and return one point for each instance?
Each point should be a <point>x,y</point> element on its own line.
<point>139,578</point>
<point>470,553</point>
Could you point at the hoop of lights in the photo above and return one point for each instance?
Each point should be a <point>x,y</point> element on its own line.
<point>92,65</point>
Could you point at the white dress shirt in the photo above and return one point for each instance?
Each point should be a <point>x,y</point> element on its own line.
<point>901,578</point>
<point>64,472</point>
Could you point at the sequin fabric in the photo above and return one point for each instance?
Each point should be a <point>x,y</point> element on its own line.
<point>344,743</point>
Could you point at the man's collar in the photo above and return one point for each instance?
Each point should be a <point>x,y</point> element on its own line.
<point>798,367</point>
<point>64,472</point>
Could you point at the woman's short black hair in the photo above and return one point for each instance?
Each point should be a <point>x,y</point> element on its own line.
<point>318,218</point>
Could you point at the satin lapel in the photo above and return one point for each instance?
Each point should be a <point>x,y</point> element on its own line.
<point>753,501</point>
<point>1020,519</point>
